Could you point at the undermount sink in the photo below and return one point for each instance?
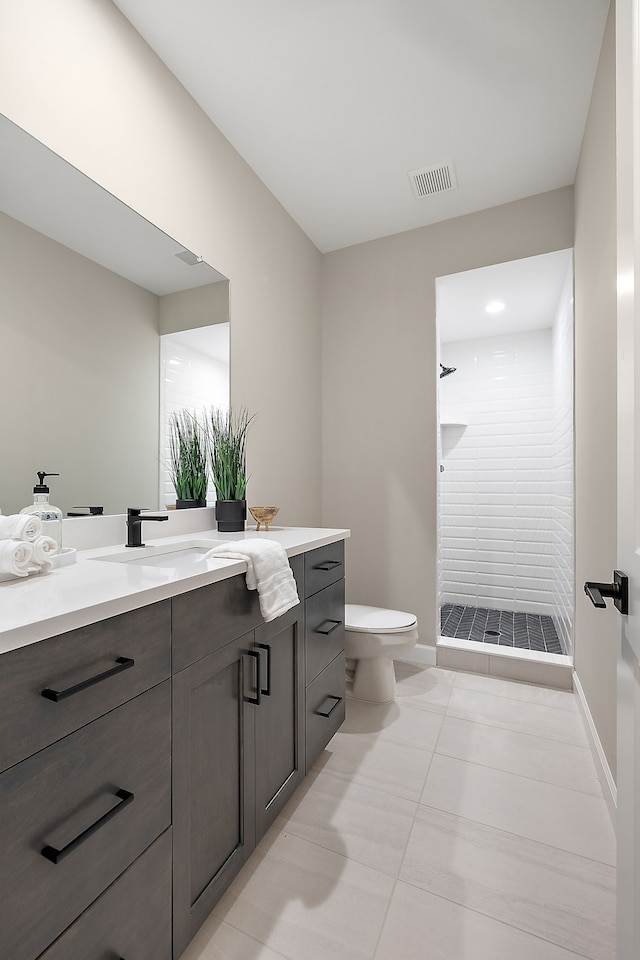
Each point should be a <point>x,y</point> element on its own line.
<point>185,552</point>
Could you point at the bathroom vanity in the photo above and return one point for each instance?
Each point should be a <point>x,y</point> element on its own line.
<point>146,750</point>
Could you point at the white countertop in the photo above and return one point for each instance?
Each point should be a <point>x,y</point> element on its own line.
<point>45,604</point>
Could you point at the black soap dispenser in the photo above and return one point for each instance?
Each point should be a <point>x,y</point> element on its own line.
<point>50,516</point>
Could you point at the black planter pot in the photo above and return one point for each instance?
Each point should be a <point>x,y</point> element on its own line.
<point>231,515</point>
<point>187,504</point>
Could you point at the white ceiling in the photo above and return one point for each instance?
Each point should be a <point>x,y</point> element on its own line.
<point>332,102</point>
<point>212,341</point>
<point>530,290</point>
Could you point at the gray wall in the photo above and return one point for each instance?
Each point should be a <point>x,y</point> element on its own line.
<point>595,397</point>
<point>380,384</point>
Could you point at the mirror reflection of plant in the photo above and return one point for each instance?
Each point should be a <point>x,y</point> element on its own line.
<point>227,452</point>
<point>188,456</point>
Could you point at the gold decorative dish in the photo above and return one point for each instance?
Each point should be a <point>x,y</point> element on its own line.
<point>263,515</point>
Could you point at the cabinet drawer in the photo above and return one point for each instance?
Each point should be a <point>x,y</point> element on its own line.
<point>99,797</point>
<point>323,566</point>
<point>325,708</point>
<point>206,619</point>
<point>132,919</point>
<point>324,628</point>
<point>84,670</point>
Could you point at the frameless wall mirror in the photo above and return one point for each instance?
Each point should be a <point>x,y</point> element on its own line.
<point>89,288</point>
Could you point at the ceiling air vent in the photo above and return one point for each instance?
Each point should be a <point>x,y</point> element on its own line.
<point>191,259</point>
<point>437,179</point>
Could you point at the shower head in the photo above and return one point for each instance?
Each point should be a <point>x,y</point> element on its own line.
<point>445,371</point>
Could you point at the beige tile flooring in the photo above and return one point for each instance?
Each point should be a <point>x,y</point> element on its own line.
<point>465,821</point>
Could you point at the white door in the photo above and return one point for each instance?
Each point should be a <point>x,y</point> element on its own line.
<point>628,779</point>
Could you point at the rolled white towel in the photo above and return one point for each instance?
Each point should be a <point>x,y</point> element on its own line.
<point>43,550</point>
<point>20,526</point>
<point>15,557</point>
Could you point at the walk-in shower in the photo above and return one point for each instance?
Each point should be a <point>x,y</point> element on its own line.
<point>505,504</point>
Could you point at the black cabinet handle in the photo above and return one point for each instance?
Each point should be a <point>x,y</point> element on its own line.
<point>123,663</point>
<point>329,696</point>
<point>618,591</point>
<point>322,628</point>
<point>256,657</point>
<point>267,690</point>
<point>55,855</point>
<point>328,565</point>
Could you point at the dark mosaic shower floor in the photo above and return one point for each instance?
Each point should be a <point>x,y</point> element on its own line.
<point>527,631</point>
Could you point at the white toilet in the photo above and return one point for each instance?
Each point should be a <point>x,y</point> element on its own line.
<point>374,638</point>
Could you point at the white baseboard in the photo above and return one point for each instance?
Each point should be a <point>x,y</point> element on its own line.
<point>606,777</point>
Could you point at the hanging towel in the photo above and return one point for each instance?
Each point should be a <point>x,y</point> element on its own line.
<point>20,526</point>
<point>268,572</point>
<point>43,550</point>
<point>15,557</point>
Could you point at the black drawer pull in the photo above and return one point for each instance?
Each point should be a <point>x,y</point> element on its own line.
<point>329,696</point>
<point>51,853</point>
<point>328,565</point>
<point>322,628</point>
<point>123,663</point>
<point>267,690</point>
<point>256,699</point>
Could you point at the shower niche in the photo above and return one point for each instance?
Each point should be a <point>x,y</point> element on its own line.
<point>505,489</point>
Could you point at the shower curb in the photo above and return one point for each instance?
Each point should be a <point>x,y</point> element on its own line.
<point>510,663</point>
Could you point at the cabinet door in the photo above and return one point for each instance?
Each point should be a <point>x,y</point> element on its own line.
<point>213,780</point>
<point>279,717</point>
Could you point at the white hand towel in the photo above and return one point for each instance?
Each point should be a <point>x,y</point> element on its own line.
<point>268,571</point>
<point>15,557</point>
<point>20,526</point>
<point>43,549</point>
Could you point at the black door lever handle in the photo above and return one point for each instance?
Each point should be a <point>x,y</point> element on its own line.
<point>618,591</point>
<point>594,592</point>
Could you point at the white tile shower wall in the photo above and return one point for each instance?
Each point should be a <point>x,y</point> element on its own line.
<point>563,464</point>
<point>499,528</point>
<point>192,380</point>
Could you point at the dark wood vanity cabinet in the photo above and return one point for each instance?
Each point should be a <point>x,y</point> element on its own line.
<point>144,756</point>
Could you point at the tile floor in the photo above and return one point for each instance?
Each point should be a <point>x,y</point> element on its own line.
<point>465,821</point>
<point>527,631</point>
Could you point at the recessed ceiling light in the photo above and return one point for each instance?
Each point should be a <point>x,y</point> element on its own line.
<point>495,306</point>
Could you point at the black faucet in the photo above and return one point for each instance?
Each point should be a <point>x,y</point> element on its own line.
<point>134,525</point>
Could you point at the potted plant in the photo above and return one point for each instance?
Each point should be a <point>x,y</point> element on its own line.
<point>227,453</point>
<point>188,459</point>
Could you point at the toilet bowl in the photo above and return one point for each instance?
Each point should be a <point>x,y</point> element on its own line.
<point>374,638</point>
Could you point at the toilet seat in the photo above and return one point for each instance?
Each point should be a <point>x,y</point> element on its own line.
<point>359,618</point>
